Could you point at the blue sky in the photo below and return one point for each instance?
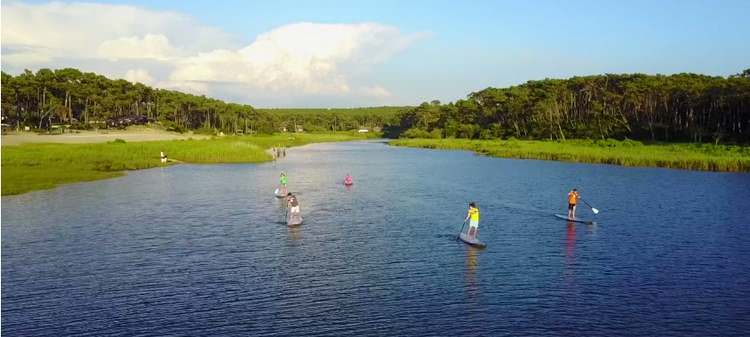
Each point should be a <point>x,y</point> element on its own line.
<point>417,50</point>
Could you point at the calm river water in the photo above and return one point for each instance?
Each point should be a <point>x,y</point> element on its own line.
<point>200,250</point>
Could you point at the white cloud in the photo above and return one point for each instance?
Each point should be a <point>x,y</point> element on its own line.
<point>376,91</point>
<point>59,29</point>
<point>139,76</point>
<point>151,46</point>
<point>171,50</point>
<point>310,57</point>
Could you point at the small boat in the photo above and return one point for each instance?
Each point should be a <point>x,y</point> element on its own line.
<point>474,242</point>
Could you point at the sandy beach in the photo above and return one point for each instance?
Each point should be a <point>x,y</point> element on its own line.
<point>131,134</point>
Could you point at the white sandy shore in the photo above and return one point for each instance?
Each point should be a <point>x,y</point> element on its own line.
<point>132,134</point>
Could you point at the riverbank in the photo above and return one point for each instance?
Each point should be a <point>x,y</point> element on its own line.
<point>32,166</point>
<point>705,157</point>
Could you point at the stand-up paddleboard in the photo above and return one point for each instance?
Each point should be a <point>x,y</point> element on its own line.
<point>294,220</point>
<point>565,217</point>
<point>280,192</point>
<point>471,242</point>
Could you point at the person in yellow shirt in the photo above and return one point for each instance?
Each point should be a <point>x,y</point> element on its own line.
<point>572,201</point>
<point>473,215</point>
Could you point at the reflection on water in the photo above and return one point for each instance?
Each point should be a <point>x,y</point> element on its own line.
<point>471,270</point>
<point>570,245</point>
<point>294,232</point>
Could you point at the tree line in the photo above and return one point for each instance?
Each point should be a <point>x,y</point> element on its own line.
<point>337,119</point>
<point>88,100</point>
<point>680,107</point>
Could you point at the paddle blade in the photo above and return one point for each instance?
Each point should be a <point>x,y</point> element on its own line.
<point>596,211</point>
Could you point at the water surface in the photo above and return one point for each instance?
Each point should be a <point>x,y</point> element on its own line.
<point>201,250</point>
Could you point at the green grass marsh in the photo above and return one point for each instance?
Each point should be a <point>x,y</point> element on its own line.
<point>705,157</point>
<point>30,167</point>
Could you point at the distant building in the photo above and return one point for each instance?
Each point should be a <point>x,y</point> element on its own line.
<point>363,130</point>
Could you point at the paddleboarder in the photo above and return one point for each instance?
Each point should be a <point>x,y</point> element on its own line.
<point>473,216</point>
<point>283,179</point>
<point>292,203</point>
<point>573,196</point>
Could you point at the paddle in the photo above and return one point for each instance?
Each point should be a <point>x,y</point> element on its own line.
<point>461,231</point>
<point>284,209</point>
<point>596,211</point>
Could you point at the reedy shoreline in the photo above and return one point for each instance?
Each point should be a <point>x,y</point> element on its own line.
<point>703,157</point>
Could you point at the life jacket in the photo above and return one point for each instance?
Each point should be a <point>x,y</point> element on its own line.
<point>474,213</point>
<point>572,198</point>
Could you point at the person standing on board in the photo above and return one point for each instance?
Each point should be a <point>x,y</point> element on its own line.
<point>472,214</point>
<point>292,204</point>
<point>572,201</point>
<point>283,180</point>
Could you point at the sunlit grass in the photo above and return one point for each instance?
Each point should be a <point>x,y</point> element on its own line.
<point>30,167</point>
<point>706,157</point>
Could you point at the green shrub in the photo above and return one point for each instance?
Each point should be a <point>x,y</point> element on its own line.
<point>205,131</point>
<point>416,133</point>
